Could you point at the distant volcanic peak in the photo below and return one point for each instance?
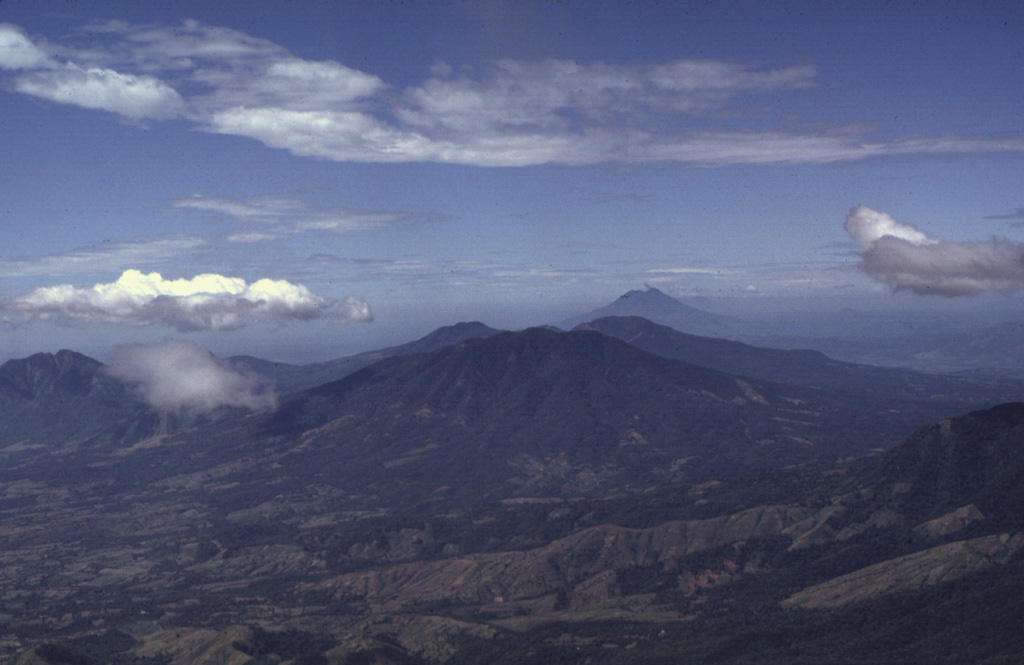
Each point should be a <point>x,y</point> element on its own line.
<point>650,293</point>
<point>660,307</point>
<point>653,304</point>
<point>649,298</point>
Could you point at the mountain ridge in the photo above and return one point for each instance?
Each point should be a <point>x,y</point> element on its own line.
<point>804,366</point>
<point>538,413</point>
<point>290,378</point>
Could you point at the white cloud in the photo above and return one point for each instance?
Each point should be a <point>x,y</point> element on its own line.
<point>343,221</point>
<point>907,259</point>
<point>204,302</point>
<point>714,79</point>
<point>17,51</point>
<point>128,95</point>
<point>356,309</point>
<point>867,226</point>
<point>183,45</point>
<point>510,113</point>
<point>336,135</point>
<point>250,237</point>
<point>295,84</point>
<point>177,375</point>
<point>548,94</point>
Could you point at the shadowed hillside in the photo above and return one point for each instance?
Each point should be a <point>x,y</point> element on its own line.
<point>531,497</point>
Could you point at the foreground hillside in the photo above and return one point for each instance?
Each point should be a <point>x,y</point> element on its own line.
<point>879,562</point>
<point>531,497</point>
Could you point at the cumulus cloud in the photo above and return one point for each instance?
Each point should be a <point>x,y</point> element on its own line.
<point>507,113</point>
<point>868,226</point>
<point>908,259</point>
<point>204,302</point>
<point>177,375</point>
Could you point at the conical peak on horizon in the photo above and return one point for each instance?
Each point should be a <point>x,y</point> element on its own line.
<point>648,291</point>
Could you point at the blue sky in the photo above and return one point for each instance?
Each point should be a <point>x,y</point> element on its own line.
<point>303,180</point>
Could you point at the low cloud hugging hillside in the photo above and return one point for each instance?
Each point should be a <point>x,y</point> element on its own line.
<point>179,375</point>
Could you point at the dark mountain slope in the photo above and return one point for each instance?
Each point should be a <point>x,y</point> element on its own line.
<point>462,503</point>
<point>63,375</point>
<point>289,378</point>
<point>975,459</point>
<point>540,412</point>
<point>805,367</point>
<point>56,398</point>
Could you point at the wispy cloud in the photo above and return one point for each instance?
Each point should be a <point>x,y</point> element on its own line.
<point>547,95</point>
<point>105,257</point>
<point>1015,214</point>
<point>275,216</point>
<point>177,375</point>
<point>261,210</point>
<point>908,259</point>
<point>204,302</point>
<point>40,74</point>
<point>508,113</point>
<point>689,270</point>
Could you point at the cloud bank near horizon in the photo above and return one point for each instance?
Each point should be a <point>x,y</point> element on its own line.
<point>907,259</point>
<point>507,113</point>
<point>204,302</point>
<point>177,375</point>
